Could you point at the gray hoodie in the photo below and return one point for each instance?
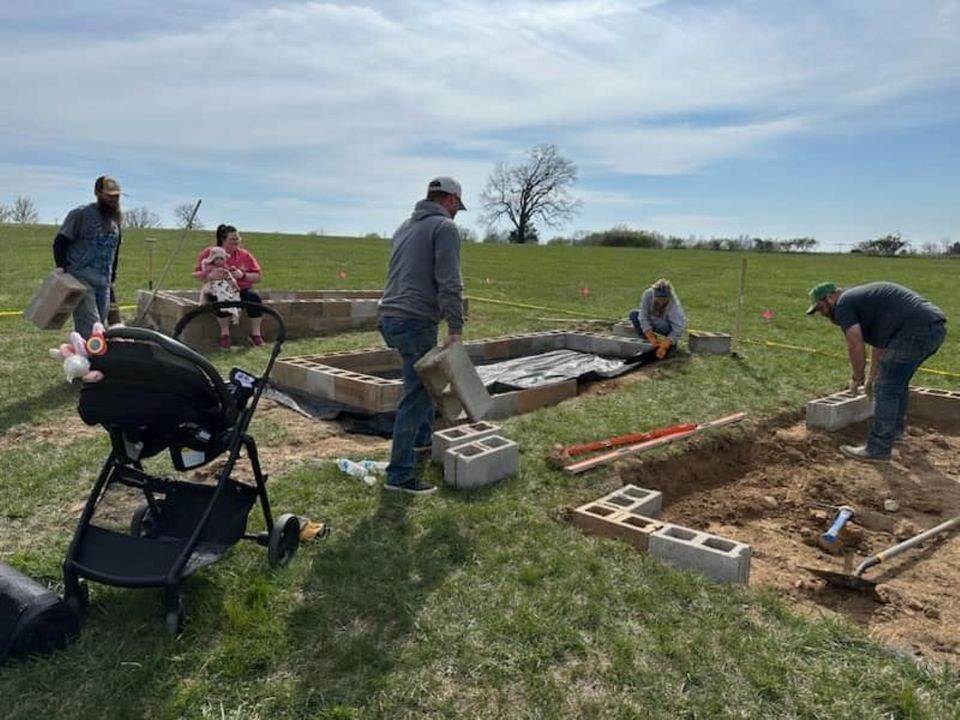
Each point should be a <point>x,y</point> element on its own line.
<point>423,281</point>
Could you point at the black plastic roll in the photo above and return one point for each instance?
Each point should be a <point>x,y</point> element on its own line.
<point>32,619</point>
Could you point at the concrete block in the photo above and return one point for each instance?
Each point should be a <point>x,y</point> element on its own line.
<point>447,438</point>
<point>624,328</point>
<point>933,405</point>
<point>635,500</point>
<point>517,402</point>
<point>451,366</point>
<point>838,410</point>
<point>55,301</point>
<point>718,558</point>
<point>607,521</point>
<point>481,462</point>
<point>709,343</point>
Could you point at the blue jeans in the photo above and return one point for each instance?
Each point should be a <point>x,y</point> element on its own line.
<point>93,308</point>
<point>898,362</point>
<point>660,325</point>
<point>413,425</point>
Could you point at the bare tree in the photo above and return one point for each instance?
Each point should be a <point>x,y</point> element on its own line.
<point>140,217</point>
<point>4,213</point>
<point>24,211</point>
<point>534,191</point>
<point>182,214</point>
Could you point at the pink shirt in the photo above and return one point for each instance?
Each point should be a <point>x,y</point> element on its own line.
<point>239,258</point>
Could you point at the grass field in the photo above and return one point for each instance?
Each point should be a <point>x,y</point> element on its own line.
<point>475,605</point>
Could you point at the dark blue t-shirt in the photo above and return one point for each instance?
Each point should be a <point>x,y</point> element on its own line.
<point>884,310</point>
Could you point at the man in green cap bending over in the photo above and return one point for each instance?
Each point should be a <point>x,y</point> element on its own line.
<point>903,329</point>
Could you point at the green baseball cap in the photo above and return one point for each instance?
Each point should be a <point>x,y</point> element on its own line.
<point>819,292</point>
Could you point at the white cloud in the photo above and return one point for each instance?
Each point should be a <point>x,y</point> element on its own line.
<point>352,100</point>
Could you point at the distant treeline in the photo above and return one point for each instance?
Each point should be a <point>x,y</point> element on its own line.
<point>622,236</point>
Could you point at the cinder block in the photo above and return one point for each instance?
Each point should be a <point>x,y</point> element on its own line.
<point>635,500</point>
<point>517,402</point>
<point>604,520</point>
<point>933,405</point>
<point>718,558</point>
<point>624,328</point>
<point>481,462</point>
<point>451,366</point>
<point>54,302</point>
<point>709,343</point>
<point>838,410</point>
<point>445,439</point>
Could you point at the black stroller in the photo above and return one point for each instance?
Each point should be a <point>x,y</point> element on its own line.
<point>159,394</point>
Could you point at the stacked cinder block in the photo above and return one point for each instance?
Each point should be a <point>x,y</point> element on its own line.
<point>56,299</point>
<point>838,410</point>
<point>629,514</point>
<point>481,462</point>
<point>709,343</point>
<point>475,454</point>
<point>448,438</point>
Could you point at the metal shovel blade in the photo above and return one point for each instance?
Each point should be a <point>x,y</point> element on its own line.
<point>844,580</point>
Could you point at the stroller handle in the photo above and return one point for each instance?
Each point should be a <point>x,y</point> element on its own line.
<point>179,349</point>
<point>245,304</point>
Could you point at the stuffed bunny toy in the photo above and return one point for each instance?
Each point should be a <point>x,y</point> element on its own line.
<point>76,355</point>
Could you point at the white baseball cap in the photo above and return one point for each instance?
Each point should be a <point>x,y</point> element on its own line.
<point>448,185</point>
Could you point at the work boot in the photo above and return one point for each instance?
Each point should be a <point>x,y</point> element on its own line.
<point>859,452</point>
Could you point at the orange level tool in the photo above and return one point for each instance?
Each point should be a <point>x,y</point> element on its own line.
<point>629,439</point>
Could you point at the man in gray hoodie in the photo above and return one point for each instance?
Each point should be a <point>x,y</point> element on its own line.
<point>423,286</point>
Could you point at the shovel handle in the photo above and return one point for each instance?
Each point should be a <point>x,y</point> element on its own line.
<point>905,545</point>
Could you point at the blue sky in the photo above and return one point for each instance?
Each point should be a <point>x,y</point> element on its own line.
<point>837,119</point>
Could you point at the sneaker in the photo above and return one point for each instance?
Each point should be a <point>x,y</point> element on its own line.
<point>224,342</point>
<point>414,487</point>
<point>859,452</point>
<point>257,340</point>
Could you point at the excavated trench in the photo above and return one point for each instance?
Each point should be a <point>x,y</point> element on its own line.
<point>772,486</point>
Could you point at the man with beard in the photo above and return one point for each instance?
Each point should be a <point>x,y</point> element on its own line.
<point>87,246</point>
<point>903,329</point>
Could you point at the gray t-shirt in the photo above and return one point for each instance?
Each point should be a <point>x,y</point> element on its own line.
<point>94,241</point>
<point>884,310</point>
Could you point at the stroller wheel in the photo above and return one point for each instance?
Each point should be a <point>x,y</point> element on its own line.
<point>143,523</point>
<point>79,602</point>
<point>284,540</point>
<point>175,618</point>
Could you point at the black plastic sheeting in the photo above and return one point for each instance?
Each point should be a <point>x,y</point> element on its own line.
<point>520,373</point>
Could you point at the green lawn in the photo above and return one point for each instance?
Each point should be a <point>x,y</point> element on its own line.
<point>478,605</point>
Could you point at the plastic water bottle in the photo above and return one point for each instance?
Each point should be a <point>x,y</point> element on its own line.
<point>373,465</point>
<point>356,470</point>
<point>351,468</point>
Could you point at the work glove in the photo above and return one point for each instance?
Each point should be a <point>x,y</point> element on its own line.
<point>651,337</point>
<point>663,348</point>
<point>855,386</point>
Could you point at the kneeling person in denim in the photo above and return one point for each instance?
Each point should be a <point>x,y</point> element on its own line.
<point>423,286</point>
<point>903,328</point>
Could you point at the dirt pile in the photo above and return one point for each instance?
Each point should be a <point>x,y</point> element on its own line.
<point>770,487</point>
